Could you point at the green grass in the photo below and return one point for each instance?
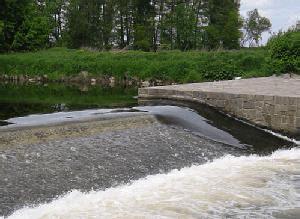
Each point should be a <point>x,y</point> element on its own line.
<point>174,66</point>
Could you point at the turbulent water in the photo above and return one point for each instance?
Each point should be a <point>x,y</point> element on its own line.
<point>229,187</point>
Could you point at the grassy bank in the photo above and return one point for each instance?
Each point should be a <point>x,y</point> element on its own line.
<point>170,65</point>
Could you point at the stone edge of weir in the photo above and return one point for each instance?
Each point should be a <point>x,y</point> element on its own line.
<point>270,102</point>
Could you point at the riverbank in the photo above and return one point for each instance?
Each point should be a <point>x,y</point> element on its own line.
<point>133,67</point>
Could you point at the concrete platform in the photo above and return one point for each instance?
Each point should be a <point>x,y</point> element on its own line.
<point>272,102</point>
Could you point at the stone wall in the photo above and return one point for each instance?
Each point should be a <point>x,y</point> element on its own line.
<point>273,112</point>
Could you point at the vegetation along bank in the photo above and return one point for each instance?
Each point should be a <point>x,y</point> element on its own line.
<point>61,64</point>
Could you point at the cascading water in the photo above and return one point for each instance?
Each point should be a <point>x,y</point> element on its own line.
<point>229,187</point>
<point>178,164</point>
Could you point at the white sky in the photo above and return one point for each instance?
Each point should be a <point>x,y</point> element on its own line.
<point>282,13</point>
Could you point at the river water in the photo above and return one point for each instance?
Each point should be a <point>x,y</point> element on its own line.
<point>192,163</point>
<point>229,187</point>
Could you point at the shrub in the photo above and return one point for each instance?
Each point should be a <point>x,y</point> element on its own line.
<point>219,70</point>
<point>284,51</point>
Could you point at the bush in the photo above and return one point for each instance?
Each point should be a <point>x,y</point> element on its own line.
<point>284,51</point>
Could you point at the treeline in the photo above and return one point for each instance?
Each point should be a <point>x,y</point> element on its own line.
<point>146,25</point>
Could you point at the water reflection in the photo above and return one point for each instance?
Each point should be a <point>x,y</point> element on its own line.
<point>20,100</point>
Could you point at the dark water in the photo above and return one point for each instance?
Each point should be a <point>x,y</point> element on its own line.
<point>187,135</point>
<point>205,121</point>
<point>21,100</point>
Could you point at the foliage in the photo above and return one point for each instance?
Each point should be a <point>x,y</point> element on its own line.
<point>24,25</point>
<point>71,95</point>
<point>285,52</point>
<point>173,66</point>
<point>19,100</point>
<point>185,27</point>
<point>106,24</point>
<point>224,26</point>
<point>254,26</point>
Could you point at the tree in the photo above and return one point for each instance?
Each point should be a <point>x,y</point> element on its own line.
<point>25,26</point>
<point>55,10</point>
<point>224,24</point>
<point>103,24</point>
<point>1,34</point>
<point>185,24</point>
<point>143,24</point>
<point>254,26</point>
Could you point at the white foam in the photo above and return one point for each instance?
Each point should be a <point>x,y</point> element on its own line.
<point>283,137</point>
<point>251,187</point>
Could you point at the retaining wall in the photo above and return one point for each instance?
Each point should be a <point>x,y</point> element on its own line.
<point>279,113</point>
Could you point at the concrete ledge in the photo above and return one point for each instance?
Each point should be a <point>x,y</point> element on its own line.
<point>250,100</point>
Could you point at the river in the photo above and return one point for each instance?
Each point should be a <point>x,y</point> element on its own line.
<point>190,162</point>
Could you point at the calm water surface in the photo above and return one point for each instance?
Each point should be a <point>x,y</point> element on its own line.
<point>20,100</point>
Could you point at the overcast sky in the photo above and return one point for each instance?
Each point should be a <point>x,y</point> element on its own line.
<point>282,13</point>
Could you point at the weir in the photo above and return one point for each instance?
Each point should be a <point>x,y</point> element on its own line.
<point>269,102</point>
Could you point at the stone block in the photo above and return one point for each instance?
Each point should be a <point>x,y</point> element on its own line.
<point>258,104</point>
<point>143,91</point>
<point>250,97</point>
<point>281,100</point>
<point>153,92</point>
<point>280,108</point>
<point>259,116</point>
<point>196,94</point>
<point>283,127</point>
<point>292,101</point>
<point>292,108</point>
<point>220,103</point>
<point>209,95</point>
<point>284,119</point>
<point>298,122</point>
<point>229,96</point>
<point>269,109</point>
<point>259,97</point>
<point>199,95</point>
<point>268,98</point>
<point>251,114</point>
<point>291,120</point>
<point>248,105</point>
<point>220,96</point>
<point>168,93</point>
<point>188,94</point>
<point>275,121</point>
<point>267,118</point>
<point>180,93</point>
